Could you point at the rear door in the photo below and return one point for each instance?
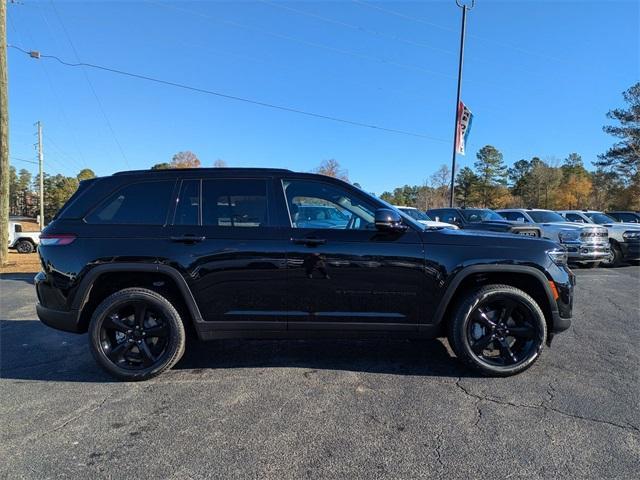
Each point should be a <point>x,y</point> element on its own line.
<point>233,252</point>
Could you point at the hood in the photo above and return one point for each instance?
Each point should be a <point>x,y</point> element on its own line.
<point>434,224</point>
<point>495,239</point>
<point>621,227</point>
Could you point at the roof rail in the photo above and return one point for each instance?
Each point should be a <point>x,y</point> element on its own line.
<point>206,169</point>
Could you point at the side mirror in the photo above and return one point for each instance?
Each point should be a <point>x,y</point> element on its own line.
<point>389,220</point>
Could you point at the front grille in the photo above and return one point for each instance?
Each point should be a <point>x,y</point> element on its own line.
<point>594,235</point>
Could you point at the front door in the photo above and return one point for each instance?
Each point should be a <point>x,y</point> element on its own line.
<point>343,273</point>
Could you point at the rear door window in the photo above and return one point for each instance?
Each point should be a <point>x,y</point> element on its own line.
<point>234,203</point>
<point>188,203</point>
<point>143,203</point>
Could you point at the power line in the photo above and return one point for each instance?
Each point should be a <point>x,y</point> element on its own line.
<point>93,90</point>
<point>18,159</point>
<point>357,27</point>
<point>431,24</point>
<point>409,66</point>
<point>35,54</point>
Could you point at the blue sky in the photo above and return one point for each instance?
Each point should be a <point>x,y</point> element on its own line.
<point>539,78</point>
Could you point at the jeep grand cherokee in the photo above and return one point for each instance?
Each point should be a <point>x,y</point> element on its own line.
<point>139,258</point>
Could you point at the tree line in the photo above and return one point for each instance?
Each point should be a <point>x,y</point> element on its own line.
<point>538,183</point>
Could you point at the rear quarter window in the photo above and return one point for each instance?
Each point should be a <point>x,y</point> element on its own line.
<point>142,203</point>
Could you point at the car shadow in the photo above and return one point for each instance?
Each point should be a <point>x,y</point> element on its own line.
<point>31,351</point>
<point>19,277</point>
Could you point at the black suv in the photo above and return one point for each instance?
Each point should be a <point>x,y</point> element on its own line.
<point>482,219</point>
<point>139,258</point>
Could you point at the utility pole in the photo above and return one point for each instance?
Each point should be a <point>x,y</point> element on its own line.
<point>41,173</point>
<point>464,8</point>
<point>4,138</point>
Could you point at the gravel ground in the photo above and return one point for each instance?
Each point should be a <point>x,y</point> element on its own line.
<point>327,409</point>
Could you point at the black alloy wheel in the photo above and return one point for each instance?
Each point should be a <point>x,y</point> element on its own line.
<point>498,330</point>
<point>136,334</point>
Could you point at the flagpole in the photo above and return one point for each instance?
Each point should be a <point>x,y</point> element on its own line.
<point>464,8</point>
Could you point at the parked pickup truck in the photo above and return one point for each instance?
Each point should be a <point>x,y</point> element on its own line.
<point>624,238</point>
<point>481,219</point>
<point>421,217</point>
<point>586,244</point>
<point>625,216</point>
<point>23,242</point>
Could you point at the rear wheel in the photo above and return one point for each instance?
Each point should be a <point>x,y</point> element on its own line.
<point>25,246</point>
<point>136,334</point>
<point>498,330</point>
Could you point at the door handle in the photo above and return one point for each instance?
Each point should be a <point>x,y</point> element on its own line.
<point>187,238</point>
<point>309,242</point>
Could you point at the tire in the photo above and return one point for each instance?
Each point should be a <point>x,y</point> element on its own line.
<point>136,334</point>
<point>615,259</point>
<point>25,246</point>
<point>470,328</point>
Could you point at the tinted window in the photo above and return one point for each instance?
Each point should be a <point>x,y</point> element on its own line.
<point>476,215</point>
<point>600,218</point>
<point>574,217</point>
<point>626,217</point>
<point>447,216</point>
<point>234,203</point>
<point>323,205</point>
<point>542,216</point>
<point>514,216</point>
<point>144,203</point>
<point>188,203</point>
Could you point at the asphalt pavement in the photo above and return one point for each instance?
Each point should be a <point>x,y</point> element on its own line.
<point>327,409</point>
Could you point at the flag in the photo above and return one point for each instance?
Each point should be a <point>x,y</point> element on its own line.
<point>464,127</point>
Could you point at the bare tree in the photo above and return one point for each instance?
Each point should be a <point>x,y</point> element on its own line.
<point>186,159</point>
<point>220,163</point>
<point>332,168</point>
<point>440,184</point>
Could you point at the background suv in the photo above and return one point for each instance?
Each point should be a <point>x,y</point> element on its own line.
<point>623,237</point>
<point>586,244</point>
<point>139,258</point>
<point>481,219</point>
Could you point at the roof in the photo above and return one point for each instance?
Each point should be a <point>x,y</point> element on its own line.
<point>205,170</point>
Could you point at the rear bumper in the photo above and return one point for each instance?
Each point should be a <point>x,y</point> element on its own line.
<point>58,319</point>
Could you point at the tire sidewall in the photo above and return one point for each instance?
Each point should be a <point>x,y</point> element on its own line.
<point>464,316</point>
<point>26,245</point>
<point>174,348</point>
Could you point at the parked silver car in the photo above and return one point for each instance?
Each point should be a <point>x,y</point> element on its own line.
<point>623,237</point>
<point>585,243</point>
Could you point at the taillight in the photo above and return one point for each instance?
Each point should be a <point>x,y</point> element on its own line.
<point>56,239</point>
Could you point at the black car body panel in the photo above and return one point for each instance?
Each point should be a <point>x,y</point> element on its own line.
<point>234,279</point>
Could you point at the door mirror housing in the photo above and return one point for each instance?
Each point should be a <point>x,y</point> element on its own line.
<point>389,220</point>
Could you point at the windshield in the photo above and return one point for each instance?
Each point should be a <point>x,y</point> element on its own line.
<point>476,215</point>
<point>600,218</point>
<point>546,217</point>
<point>415,213</point>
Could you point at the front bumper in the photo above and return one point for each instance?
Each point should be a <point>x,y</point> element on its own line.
<point>630,250</point>
<point>586,252</point>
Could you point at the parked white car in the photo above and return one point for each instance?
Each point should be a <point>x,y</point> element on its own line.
<point>585,243</point>
<point>623,237</point>
<point>23,242</point>
<point>424,219</point>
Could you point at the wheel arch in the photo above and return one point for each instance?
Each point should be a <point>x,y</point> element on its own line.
<point>529,279</point>
<point>103,280</point>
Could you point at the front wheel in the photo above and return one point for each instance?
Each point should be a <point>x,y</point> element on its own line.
<point>136,334</point>
<point>615,257</point>
<point>498,330</point>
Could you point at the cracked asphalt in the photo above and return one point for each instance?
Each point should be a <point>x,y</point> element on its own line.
<point>327,409</point>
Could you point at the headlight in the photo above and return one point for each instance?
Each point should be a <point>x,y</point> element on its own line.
<point>631,235</point>
<point>569,235</point>
<point>558,256</point>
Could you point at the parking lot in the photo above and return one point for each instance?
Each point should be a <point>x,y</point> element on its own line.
<point>327,409</point>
